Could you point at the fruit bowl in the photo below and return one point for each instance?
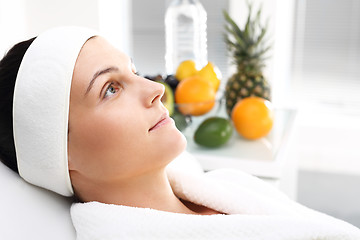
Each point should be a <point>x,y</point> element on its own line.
<point>195,103</point>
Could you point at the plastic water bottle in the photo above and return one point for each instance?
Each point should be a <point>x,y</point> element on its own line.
<point>185,30</point>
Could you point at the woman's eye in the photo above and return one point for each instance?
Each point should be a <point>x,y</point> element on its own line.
<point>111,90</point>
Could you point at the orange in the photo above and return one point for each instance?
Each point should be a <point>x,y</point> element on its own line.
<point>185,69</point>
<point>212,74</point>
<point>253,117</point>
<point>195,96</point>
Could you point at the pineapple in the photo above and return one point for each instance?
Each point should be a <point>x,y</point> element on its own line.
<point>248,49</point>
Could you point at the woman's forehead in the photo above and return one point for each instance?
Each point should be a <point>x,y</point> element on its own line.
<point>98,47</point>
<point>97,54</point>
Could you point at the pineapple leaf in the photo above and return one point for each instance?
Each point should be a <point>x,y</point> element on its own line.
<point>258,16</point>
<point>235,28</point>
<point>231,46</point>
<point>237,38</point>
<point>260,37</point>
<point>247,45</point>
<point>234,31</point>
<point>262,52</point>
<point>248,22</point>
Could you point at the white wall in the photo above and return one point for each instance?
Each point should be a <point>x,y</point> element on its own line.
<point>42,14</point>
<point>22,19</point>
<point>335,194</point>
<point>326,148</point>
<point>325,88</point>
<point>12,23</point>
<point>115,23</point>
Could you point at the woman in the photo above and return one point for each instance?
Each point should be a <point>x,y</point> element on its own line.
<point>115,117</point>
<point>126,128</point>
<point>85,123</point>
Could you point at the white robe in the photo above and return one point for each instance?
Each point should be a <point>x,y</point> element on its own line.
<point>255,210</point>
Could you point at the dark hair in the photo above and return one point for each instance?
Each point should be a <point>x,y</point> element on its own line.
<point>9,67</point>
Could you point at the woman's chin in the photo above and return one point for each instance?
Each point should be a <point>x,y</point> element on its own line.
<point>182,142</point>
<point>175,146</point>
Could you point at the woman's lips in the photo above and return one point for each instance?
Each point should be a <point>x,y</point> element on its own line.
<point>165,119</point>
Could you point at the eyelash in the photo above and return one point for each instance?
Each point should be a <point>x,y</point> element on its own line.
<point>110,85</point>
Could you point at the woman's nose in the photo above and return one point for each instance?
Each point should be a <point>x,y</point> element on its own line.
<point>152,92</point>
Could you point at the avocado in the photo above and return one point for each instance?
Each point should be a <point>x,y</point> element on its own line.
<point>213,132</point>
<point>168,98</point>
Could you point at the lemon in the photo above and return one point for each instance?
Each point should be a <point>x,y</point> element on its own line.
<point>185,69</point>
<point>212,74</point>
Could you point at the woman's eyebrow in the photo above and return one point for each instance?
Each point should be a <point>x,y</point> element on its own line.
<point>97,74</point>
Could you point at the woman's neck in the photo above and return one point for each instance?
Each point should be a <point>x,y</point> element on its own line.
<point>150,190</point>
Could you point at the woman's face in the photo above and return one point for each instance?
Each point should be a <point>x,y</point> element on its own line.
<point>118,127</point>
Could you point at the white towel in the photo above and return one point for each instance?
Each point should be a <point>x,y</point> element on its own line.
<point>256,211</point>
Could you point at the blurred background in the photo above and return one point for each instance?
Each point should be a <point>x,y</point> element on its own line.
<point>314,68</point>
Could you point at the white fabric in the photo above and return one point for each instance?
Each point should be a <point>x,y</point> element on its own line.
<point>258,211</point>
<point>41,107</point>
<point>30,212</point>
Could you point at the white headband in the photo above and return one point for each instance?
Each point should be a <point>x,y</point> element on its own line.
<point>41,107</point>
